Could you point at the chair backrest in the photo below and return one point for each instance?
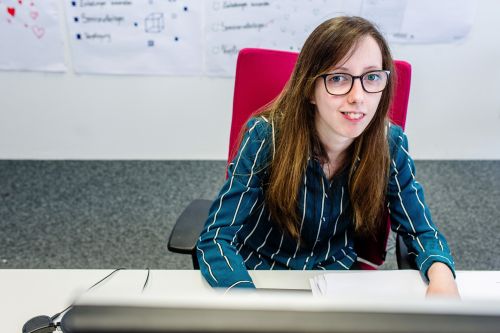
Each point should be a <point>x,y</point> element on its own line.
<point>261,75</point>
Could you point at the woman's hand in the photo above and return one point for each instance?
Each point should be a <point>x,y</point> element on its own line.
<point>441,282</point>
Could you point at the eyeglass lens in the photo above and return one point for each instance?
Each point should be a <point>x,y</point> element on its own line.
<point>341,83</point>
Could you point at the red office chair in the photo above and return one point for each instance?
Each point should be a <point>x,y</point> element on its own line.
<point>260,76</point>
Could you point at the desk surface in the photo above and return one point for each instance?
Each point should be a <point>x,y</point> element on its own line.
<point>28,293</point>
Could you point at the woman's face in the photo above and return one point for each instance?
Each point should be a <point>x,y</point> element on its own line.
<point>343,118</point>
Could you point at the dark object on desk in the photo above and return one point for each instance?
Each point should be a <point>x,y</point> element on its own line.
<point>170,319</point>
<point>46,324</point>
<point>39,324</point>
<point>260,76</point>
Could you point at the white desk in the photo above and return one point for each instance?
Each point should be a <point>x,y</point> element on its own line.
<point>28,293</point>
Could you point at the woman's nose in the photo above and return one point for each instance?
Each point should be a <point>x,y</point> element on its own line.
<point>357,92</point>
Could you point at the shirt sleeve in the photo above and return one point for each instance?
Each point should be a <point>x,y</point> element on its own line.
<point>410,216</point>
<point>220,263</point>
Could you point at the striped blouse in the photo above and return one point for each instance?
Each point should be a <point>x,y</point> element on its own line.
<point>240,234</point>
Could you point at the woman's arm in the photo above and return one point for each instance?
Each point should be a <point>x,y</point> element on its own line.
<point>441,281</point>
<point>410,215</point>
<point>220,262</point>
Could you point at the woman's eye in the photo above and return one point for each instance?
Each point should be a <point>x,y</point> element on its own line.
<point>373,77</point>
<point>338,78</point>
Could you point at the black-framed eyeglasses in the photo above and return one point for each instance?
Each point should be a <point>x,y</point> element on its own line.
<point>341,83</point>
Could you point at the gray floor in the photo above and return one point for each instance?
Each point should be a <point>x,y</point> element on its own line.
<point>107,214</point>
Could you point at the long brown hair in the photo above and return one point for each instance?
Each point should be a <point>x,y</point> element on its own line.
<point>292,117</point>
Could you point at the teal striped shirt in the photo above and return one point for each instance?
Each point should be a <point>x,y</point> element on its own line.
<point>240,234</point>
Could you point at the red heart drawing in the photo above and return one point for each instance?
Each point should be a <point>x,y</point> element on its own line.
<point>38,31</point>
<point>34,15</point>
<point>11,11</point>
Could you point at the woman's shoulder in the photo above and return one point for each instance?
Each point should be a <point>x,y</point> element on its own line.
<point>260,126</point>
<point>395,136</point>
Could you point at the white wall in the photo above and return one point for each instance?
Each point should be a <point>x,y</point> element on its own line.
<point>454,110</point>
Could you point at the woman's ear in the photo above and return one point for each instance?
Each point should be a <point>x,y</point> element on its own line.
<point>312,98</point>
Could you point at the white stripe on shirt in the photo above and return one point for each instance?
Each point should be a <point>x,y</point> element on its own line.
<point>235,284</point>
<point>402,205</point>
<point>338,217</point>
<point>248,257</point>
<point>336,221</point>
<point>319,225</point>
<point>265,240</point>
<point>341,264</point>
<point>434,255</point>
<point>346,255</point>
<point>232,176</point>
<point>241,226</point>
<point>302,222</point>
<point>208,265</point>
<point>248,182</point>
<point>279,246</point>
<point>220,250</point>
<point>423,209</point>
<point>254,228</point>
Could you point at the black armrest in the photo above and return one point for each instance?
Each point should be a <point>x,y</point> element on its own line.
<point>188,227</point>
<point>402,256</point>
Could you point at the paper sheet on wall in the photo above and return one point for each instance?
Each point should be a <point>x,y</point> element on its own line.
<point>168,37</point>
<point>421,21</point>
<point>276,24</point>
<point>136,36</point>
<point>30,36</point>
<point>285,24</point>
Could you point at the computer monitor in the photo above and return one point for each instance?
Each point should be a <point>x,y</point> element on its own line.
<point>271,313</point>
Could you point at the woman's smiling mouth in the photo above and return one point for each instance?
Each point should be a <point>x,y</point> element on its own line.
<point>353,116</point>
